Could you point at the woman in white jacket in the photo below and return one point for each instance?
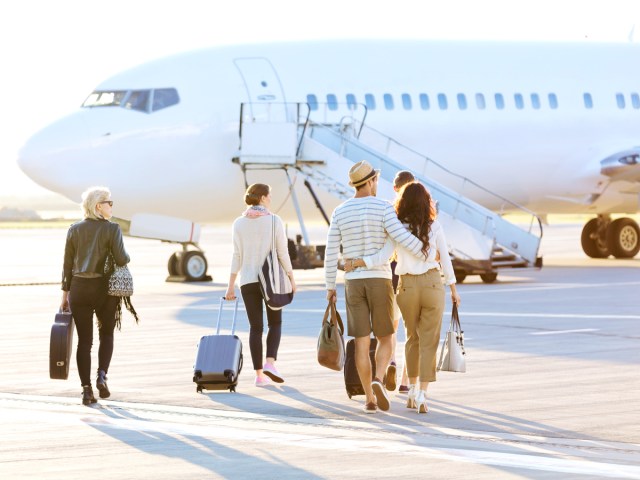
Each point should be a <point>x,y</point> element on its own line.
<point>251,243</point>
<point>420,289</point>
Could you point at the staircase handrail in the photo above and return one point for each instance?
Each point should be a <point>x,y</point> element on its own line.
<point>465,180</point>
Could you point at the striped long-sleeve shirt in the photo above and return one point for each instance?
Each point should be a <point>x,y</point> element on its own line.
<point>361,226</point>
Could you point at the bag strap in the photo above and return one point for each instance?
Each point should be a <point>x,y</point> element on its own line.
<point>335,317</point>
<point>454,326</point>
<point>273,232</point>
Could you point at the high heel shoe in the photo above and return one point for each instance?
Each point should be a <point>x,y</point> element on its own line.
<point>411,396</point>
<point>421,401</point>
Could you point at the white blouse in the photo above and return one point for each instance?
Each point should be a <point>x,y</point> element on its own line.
<point>408,263</point>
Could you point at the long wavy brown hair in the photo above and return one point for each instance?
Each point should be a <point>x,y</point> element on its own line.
<point>414,207</point>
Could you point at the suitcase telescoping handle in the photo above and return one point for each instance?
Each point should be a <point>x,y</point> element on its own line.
<point>235,315</point>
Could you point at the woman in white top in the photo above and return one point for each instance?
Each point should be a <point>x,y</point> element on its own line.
<point>251,244</point>
<point>420,290</point>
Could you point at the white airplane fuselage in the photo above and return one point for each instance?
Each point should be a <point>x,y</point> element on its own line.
<point>540,146</point>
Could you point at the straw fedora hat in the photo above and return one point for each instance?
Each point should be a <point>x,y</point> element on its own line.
<point>361,173</point>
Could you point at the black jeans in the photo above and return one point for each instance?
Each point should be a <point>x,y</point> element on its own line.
<point>253,301</point>
<point>86,296</point>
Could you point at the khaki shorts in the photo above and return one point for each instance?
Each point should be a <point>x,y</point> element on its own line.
<point>369,307</point>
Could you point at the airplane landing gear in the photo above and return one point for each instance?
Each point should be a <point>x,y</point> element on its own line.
<point>623,238</point>
<point>594,237</point>
<point>188,266</point>
<point>602,237</point>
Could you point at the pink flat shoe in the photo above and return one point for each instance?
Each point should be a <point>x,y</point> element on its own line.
<point>271,372</point>
<point>263,382</point>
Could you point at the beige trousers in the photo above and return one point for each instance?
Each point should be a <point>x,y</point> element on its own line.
<point>421,301</point>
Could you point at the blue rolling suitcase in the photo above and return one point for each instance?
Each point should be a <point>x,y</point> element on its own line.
<point>60,346</point>
<point>219,358</point>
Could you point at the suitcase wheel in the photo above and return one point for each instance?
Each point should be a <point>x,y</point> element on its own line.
<point>199,389</point>
<point>232,388</point>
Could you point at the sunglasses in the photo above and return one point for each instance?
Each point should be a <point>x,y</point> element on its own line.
<point>110,202</point>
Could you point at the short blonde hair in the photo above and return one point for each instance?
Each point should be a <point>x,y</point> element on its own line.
<point>91,197</point>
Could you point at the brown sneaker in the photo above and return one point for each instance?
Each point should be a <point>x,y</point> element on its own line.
<point>381,394</point>
<point>370,407</point>
<point>390,377</point>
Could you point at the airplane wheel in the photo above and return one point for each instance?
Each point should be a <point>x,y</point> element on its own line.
<point>489,277</point>
<point>592,243</point>
<point>174,265</point>
<point>623,238</point>
<point>194,266</point>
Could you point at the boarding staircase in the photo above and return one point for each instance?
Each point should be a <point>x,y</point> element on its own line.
<point>322,145</point>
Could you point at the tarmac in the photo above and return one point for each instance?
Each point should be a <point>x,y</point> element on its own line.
<point>552,388</point>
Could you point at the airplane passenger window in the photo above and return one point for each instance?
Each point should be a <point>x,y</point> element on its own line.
<point>312,101</point>
<point>442,101</point>
<point>388,101</point>
<point>553,101</point>
<point>406,101</point>
<point>480,103</point>
<point>535,101</point>
<point>588,101</point>
<point>138,100</point>
<point>462,101</point>
<point>635,100</point>
<point>370,101</point>
<point>351,101</point>
<point>163,98</point>
<point>105,99</point>
<point>424,101</point>
<point>332,101</point>
<point>499,101</point>
<point>519,101</point>
<point>620,100</point>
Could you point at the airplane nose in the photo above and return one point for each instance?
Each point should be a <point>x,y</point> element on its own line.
<point>47,156</point>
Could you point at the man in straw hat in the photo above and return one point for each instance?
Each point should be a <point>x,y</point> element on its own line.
<point>361,225</point>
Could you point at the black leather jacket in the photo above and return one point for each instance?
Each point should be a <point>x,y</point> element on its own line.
<point>88,243</point>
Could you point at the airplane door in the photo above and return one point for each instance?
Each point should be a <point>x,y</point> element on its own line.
<point>263,86</point>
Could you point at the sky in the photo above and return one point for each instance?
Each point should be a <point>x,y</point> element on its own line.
<point>55,52</point>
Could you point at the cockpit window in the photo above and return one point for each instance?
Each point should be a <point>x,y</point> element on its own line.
<point>138,100</point>
<point>164,97</point>
<point>105,99</point>
<point>149,100</point>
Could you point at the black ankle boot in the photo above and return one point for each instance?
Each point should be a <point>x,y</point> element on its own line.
<point>101,384</point>
<point>87,395</point>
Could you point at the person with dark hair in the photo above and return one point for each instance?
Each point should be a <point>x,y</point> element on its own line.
<point>252,234</point>
<point>420,289</point>
<point>402,178</point>
<point>361,225</point>
<point>84,285</point>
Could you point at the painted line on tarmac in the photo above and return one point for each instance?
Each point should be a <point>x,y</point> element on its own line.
<point>503,288</point>
<point>560,332</point>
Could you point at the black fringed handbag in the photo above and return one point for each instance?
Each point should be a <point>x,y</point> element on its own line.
<point>120,284</point>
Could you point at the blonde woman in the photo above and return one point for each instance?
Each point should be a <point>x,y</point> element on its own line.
<point>84,285</point>
<point>251,243</point>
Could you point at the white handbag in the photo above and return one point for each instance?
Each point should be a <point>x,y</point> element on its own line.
<point>452,355</point>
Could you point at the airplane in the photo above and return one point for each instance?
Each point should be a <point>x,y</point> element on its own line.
<point>551,127</point>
